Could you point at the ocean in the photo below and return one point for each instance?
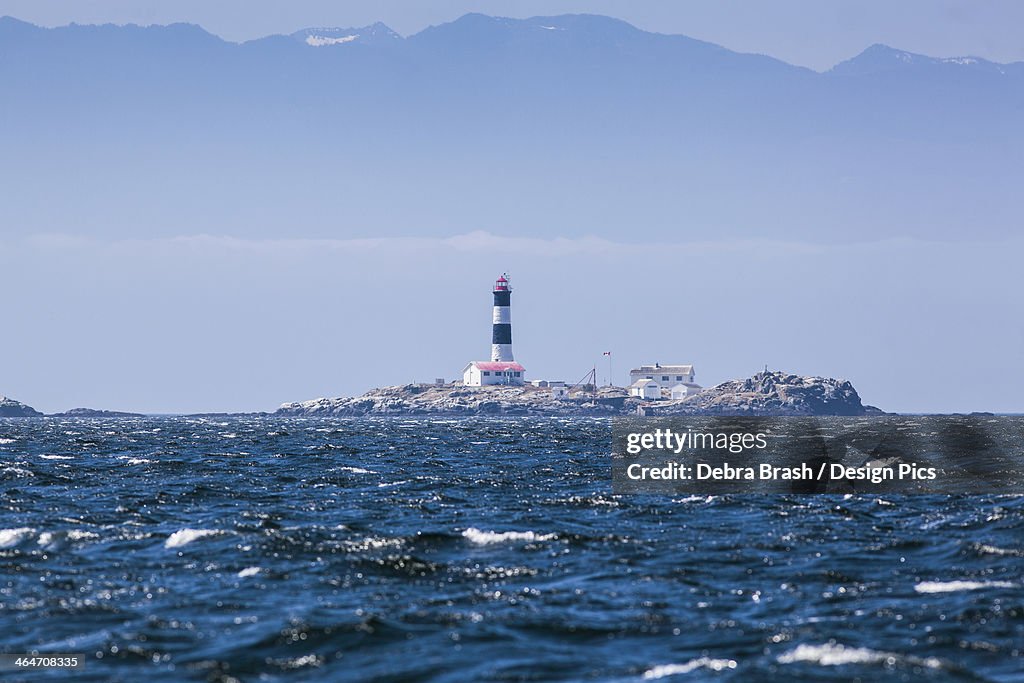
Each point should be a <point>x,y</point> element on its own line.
<point>474,549</point>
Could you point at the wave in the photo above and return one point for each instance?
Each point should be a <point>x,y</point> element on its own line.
<point>186,536</point>
<point>952,586</point>
<point>10,538</point>
<point>18,472</point>
<point>665,670</point>
<point>993,550</point>
<point>587,501</point>
<point>694,499</point>
<point>487,537</point>
<point>249,571</point>
<point>55,539</point>
<point>837,654</point>
<point>371,543</point>
<point>47,456</point>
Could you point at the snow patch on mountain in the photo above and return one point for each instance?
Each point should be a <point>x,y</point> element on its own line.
<point>321,41</point>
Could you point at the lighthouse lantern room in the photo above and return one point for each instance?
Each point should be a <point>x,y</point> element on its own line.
<point>502,368</point>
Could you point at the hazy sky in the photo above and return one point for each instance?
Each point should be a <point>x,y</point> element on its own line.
<point>159,266</point>
<point>814,33</point>
<point>209,323</point>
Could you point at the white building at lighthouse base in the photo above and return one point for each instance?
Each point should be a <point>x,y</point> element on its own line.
<point>481,373</point>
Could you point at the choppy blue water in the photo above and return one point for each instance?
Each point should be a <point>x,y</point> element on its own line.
<point>301,549</point>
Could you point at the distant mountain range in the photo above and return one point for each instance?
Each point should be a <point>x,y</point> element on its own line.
<point>571,125</point>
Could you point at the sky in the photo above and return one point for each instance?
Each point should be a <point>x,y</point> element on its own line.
<point>813,33</point>
<point>204,323</point>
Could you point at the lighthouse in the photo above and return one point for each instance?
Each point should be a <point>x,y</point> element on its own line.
<point>502,367</point>
<point>501,331</point>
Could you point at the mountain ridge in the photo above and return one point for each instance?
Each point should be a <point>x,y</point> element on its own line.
<point>880,57</point>
<point>477,20</point>
<point>576,125</point>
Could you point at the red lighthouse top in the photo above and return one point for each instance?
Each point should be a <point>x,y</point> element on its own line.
<point>502,284</point>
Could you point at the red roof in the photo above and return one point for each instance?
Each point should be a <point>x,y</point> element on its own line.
<point>498,366</point>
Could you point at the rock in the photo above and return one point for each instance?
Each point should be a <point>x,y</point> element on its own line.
<point>771,393</point>
<point>11,408</point>
<point>449,399</point>
<point>91,412</point>
<point>766,393</point>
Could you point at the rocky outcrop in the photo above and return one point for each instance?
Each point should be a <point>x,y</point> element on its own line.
<point>11,408</point>
<point>92,412</point>
<point>454,400</point>
<point>766,393</point>
<point>769,393</point>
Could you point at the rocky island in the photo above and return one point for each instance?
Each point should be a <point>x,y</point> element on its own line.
<point>770,393</point>
<point>94,412</point>
<point>766,393</point>
<point>11,408</point>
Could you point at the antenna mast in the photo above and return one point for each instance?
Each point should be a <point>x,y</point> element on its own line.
<point>589,378</point>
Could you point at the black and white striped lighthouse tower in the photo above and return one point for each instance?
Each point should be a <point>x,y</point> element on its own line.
<point>501,334</point>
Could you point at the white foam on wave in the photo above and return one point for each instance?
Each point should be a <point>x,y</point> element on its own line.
<point>73,535</point>
<point>487,537</point>
<point>837,654</point>
<point>5,440</point>
<point>993,550</point>
<point>186,536</point>
<point>9,538</point>
<point>18,472</point>
<point>48,456</point>
<point>665,670</point>
<point>76,535</point>
<point>953,586</point>
<point>694,499</point>
<point>355,470</point>
<point>249,571</point>
<point>48,538</point>
<point>372,543</point>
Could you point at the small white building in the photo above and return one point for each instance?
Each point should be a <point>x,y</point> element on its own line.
<point>481,373</point>
<point>666,376</point>
<point>546,383</point>
<point>684,390</point>
<point>645,388</point>
<point>559,391</point>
